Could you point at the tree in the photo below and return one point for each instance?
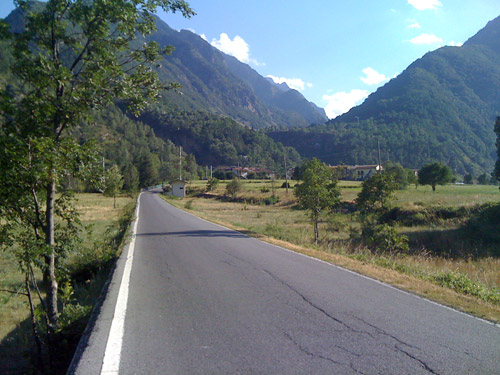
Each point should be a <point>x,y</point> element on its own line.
<point>434,174</point>
<point>149,170</point>
<point>130,178</point>
<point>483,179</point>
<point>73,57</point>
<point>496,172</point>
<point>468,179</point>
<point>318,191</point>
<point>376,192</point>
<point>411,177</point>
<point>113,183</point>
<point>399,174</point>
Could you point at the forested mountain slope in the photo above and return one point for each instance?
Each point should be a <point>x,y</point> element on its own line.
<point>217,83</point>
<point>216,140</point>
<point>146,158</point>
<point>442,107</point>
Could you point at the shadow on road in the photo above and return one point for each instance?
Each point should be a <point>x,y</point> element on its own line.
<point>201,233</point>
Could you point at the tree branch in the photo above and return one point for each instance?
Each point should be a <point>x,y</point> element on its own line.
<point>13,292</point>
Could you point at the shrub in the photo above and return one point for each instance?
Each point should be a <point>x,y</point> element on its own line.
<point>376,193</point>
<point>188,205</point>
<point>233,187</point>
<point>384,238</point>
<point>212,184</point>
<point>271,200</point>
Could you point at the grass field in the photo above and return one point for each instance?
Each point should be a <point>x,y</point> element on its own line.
<point>15,330</point>
<point>442,271</point>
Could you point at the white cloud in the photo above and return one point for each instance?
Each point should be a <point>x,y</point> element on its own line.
<point>236,47</point>
<point>294,83</point>
<point>414,25</point>
<point>425,4</point>
<point>373,77</point>
<point>341,102</point>
<point>455,44</point>
<point>426,39</point>
<point>204,37</point>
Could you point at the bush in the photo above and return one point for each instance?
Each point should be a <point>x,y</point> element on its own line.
<point>375,193</point>
<point>271,200</point>
<point>233,187</point>
<point>384,238</point>
<point>264,189</point>
<point>212,184</point>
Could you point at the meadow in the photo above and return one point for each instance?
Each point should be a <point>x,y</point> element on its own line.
<point>442,264</point>
<point>89,269</point>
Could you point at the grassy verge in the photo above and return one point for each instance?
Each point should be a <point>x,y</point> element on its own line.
<point>441,265</point>
<point>88,268</point>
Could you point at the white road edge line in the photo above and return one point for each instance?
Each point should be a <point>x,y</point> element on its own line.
<point>111,360</point>
<point>351,272</point>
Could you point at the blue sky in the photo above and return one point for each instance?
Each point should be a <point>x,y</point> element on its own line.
<point>335,52</point>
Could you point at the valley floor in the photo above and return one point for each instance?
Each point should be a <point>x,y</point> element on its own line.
<point>441,265</point>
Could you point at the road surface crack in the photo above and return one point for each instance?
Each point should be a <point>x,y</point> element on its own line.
<point>384,333</point>
<point>310,303</point>
<point>309,353</point>
<point>422,363</point>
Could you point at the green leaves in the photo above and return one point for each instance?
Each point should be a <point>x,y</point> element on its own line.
<point>434,174</point>
<point>70,58</point>
<point>376,192</point>
<point>318,191</point>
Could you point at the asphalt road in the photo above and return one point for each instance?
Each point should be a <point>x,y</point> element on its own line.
<point>207,300</point>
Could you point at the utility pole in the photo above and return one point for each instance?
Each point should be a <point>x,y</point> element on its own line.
<point>379,162</point>
<point>286,175</point>
<point>180,163</point>
<point>211,172</point>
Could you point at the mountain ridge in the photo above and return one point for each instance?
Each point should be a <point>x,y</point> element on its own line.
<point>441,107</point>
<point>218,83</point>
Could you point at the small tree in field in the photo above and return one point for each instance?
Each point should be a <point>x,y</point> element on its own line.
<point>318,191</point>
<point>113,183</point>
<point>434,174</point>
<point>376,192</point>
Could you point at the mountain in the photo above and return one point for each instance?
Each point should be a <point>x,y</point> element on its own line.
<point>220,84</point>
<point>442,107</point>
<point>276,95</point>
<point>146,149</point>
<point>216,140</point>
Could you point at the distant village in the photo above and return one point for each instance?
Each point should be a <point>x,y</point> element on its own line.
<point>344,172</point>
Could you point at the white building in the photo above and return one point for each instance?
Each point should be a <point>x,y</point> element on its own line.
<point>178,188</point>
